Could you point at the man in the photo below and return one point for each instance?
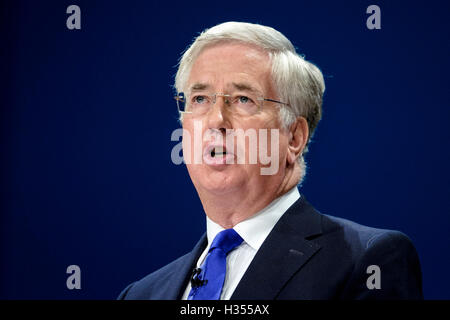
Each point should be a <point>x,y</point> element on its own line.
<point>251,96</point>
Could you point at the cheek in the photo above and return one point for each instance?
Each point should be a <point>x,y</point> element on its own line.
<point>192,142</point>
<point>284,148</point>
<point>274,151</point>
<point>268,140</point>
<point>187,142</point>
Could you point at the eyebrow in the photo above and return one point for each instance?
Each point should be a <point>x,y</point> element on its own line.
<point>199,87</point>
<point>243,86</point>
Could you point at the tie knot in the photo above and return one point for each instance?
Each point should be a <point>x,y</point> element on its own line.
<point>226,240</point>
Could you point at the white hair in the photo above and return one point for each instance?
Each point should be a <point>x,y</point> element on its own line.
<point>297,81</point>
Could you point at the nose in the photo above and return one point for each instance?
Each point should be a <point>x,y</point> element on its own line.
<point>218,116</point>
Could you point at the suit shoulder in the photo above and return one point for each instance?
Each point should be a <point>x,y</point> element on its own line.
<point>390,251</point>
<point>146,286</point>
<point>165,283</point>
<point>361,237</point>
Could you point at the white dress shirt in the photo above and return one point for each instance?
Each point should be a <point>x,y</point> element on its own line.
<point>254,231</point>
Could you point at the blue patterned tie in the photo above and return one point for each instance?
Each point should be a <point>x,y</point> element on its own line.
<point>213,270</point>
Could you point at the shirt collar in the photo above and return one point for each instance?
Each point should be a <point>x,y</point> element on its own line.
<point>255,229</point>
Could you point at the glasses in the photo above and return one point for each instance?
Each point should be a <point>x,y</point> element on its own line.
<point>200,103</point>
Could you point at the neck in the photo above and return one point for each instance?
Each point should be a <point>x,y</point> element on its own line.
<point>231,208</point>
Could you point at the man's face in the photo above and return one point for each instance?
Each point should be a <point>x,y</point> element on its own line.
<point>234,68</point>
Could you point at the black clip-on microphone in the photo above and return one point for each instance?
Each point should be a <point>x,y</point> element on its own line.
<point>195,280</point>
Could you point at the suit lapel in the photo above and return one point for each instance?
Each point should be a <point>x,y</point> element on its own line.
<point>282,254</point>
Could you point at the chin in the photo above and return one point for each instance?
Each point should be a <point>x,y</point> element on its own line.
<point>221,182</point>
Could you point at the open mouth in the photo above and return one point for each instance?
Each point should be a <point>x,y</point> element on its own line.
<point>218,152</point>
<point>216,155</point>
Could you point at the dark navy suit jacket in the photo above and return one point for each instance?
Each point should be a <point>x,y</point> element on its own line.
<point>307,255</point>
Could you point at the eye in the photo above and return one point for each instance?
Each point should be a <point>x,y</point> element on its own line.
<point>244,99</point>
<point>245,104</point>
<point>199,99</point>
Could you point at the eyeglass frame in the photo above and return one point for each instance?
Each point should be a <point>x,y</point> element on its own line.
<point>179,99</point>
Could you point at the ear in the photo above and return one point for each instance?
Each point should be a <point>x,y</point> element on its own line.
<point>298,138</point>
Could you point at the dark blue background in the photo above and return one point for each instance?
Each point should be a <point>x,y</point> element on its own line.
<point>86,119</point>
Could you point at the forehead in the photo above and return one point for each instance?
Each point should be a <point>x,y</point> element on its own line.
<point>223,64</point>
